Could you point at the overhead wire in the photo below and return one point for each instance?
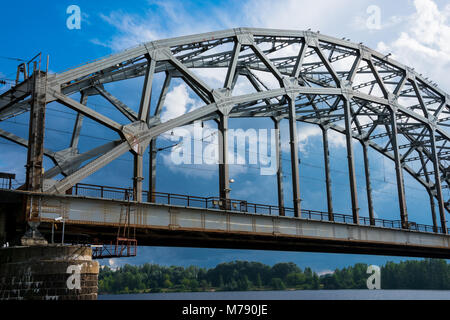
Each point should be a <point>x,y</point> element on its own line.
<point>244,165</point>
<point>202,140</point>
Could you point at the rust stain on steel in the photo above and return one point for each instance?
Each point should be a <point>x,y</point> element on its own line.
<point>205,221</point>
<point>258,234</point>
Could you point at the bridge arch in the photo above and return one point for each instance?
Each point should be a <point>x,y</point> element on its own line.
<point>295,75</point>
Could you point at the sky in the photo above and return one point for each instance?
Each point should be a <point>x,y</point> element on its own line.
<point>416,33</point>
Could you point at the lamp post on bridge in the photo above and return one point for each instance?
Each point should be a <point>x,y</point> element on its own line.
<point>53,229</point>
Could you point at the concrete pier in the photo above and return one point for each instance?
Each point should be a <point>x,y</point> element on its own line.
<point>51,272</point>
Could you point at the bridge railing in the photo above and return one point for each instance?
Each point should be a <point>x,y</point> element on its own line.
<point>6,180</point>
<point>98,191</point>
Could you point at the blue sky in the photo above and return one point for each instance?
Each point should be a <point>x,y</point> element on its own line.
<point>417,33</point>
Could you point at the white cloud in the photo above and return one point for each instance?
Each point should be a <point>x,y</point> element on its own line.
<point>202,162</point>
<point>214,77</point>
<point>132,30</point>
<point>295,14</point>
<point>163,19</point>
<point>305,133</point>
<point>178,102</point>
<point>337,139</point>
<point>203,171</point>
<point>175,19</point>
<point>381,190</point>
<point>425,42</point>
<point>430,24</point>
<point>324,272</point>
<point>359,22</point>
<point>113,264</point>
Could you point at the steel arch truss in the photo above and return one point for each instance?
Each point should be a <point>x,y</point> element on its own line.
<point>297,75</point>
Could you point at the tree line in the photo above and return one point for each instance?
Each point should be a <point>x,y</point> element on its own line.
<point>244,275</point>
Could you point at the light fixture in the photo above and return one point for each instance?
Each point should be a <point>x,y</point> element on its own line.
<point>53,228</point>
<point>58,219</point>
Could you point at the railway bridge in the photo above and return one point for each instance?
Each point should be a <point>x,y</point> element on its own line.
<point>300,76</point>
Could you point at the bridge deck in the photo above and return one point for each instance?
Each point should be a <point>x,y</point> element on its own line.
<point>108,192</point>
<point>177,225</point>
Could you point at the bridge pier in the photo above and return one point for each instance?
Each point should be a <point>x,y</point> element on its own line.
<point>51,272</point>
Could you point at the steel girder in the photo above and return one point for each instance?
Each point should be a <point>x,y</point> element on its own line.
<point>334,83</point>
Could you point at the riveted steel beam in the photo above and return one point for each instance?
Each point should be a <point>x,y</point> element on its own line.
<point>34,175</point>
<point>313,87</point>
<point>68,161</point>
<point>224,174</point>
<point>119,105</point>
<point>137,176</point>
<point>368,182</point>
<point>280,185</point>
<point>398,169</point>
<point>437,181</point>
<point>24,142</point>
<point>147,91</point>
<point>350,160</point>
<point>152,170</point>
<point>78,123</point>
<point>326,160</point>
<point>429,190</point>
<point>293,141</point>
<point>233,64</point>
<point>88,112</point>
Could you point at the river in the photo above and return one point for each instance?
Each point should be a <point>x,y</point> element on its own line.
<point>290,295</point>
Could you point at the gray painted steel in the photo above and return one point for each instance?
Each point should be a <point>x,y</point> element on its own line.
<point>343,86</point>
<point>91,211</point>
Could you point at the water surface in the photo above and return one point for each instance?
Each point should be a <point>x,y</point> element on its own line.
<point>290,295</point>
